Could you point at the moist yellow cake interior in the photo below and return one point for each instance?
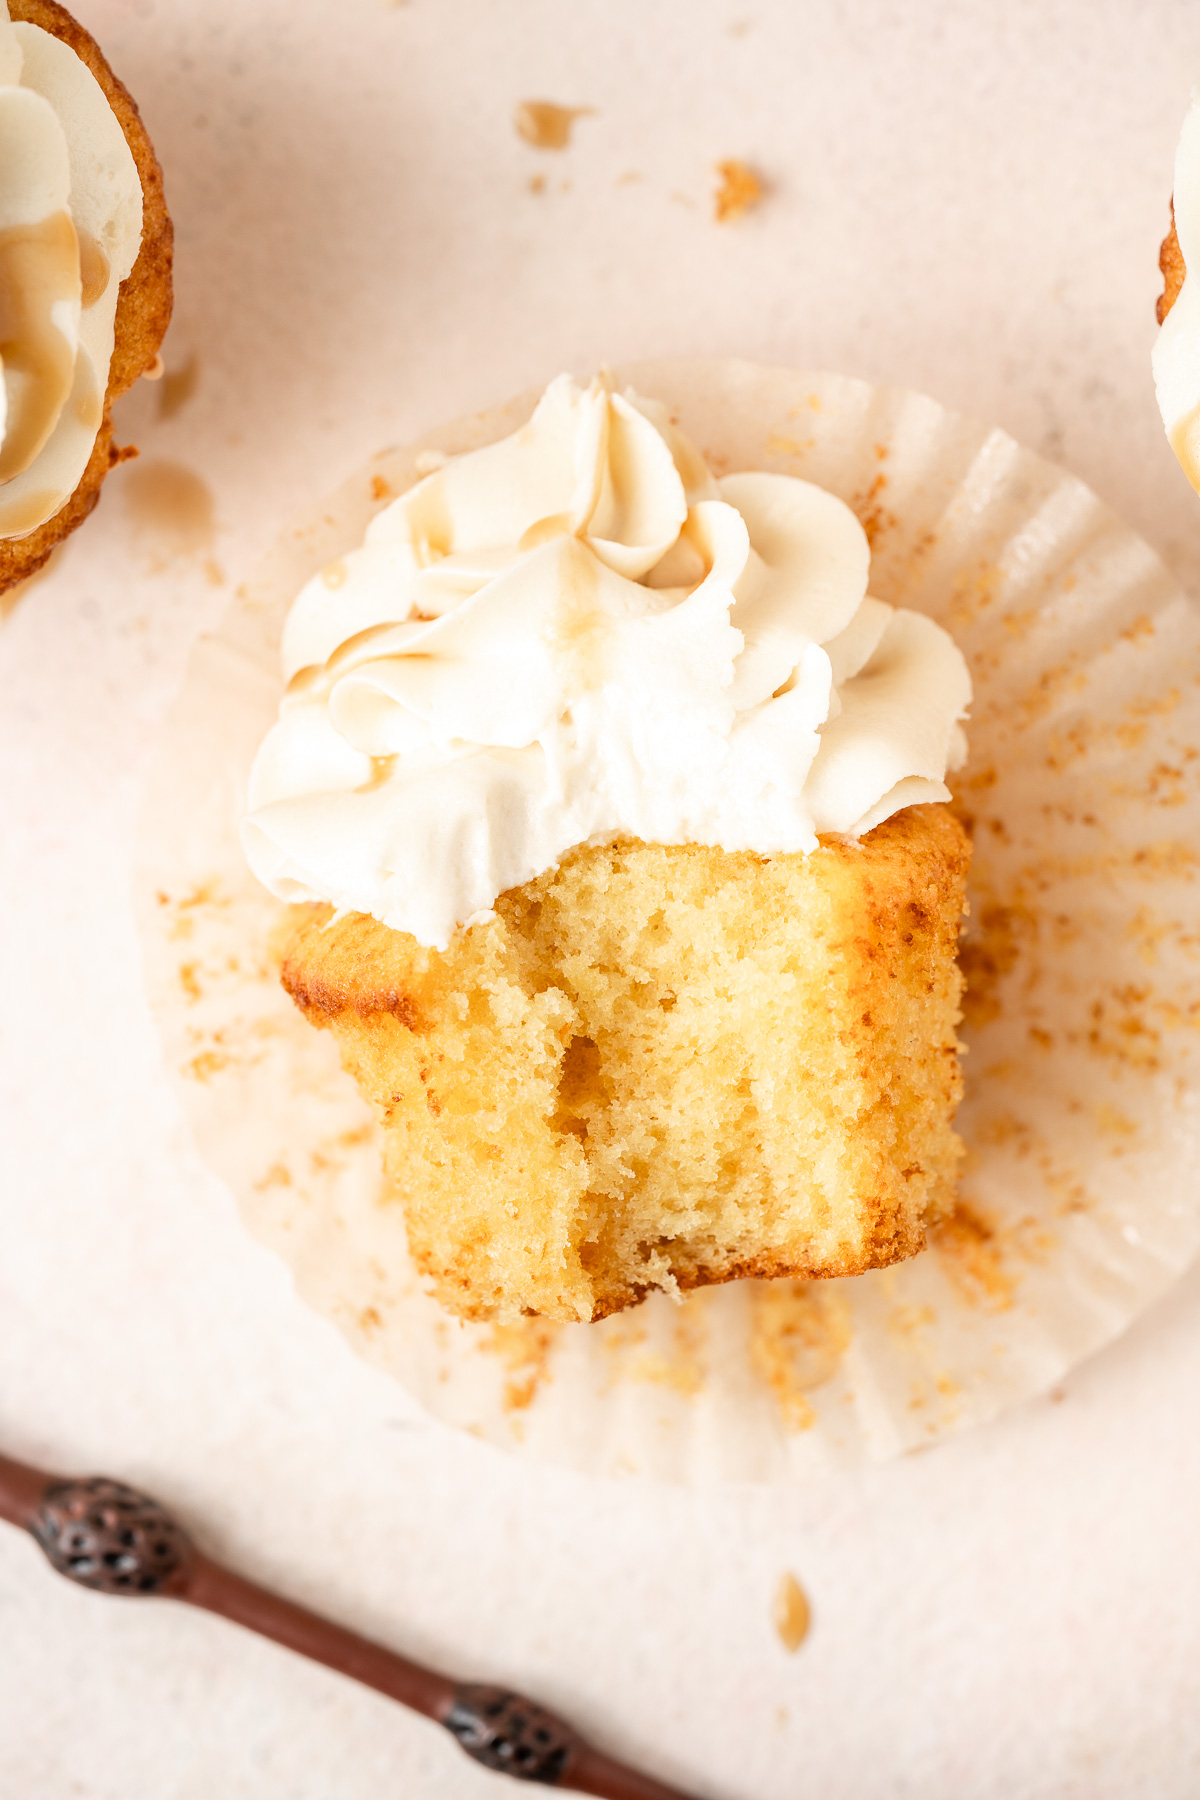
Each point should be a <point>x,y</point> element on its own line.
<point>662,1065</point>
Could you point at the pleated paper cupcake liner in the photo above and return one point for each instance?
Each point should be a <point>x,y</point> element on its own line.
<point>1080,1199</point>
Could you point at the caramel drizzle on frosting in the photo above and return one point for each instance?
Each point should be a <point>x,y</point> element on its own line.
<point>39,268</point>
<point>94,269</point>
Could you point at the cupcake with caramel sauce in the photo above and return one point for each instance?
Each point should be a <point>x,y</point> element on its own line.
<point>85,274</point>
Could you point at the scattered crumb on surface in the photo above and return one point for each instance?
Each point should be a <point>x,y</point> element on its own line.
<point>681,1369</point>
<point>545,125</point>
<point>207,1063</point>
<point>277,1176</point>
<point>874,517</point>
<point>781,445</point>
<point>908,1322</point>
<point>799,1333</point>
<point>537,184</point>
<point>988,954</point>
<point>972,1254</point>
<point>791,1613</point>
<point>202,894</point>
<point>523,1346</point>
<point>739,190</point>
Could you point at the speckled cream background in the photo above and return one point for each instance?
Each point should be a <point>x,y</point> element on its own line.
<point>965,200</point>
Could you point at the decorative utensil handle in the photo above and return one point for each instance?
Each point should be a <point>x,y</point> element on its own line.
<point>115,1540</point>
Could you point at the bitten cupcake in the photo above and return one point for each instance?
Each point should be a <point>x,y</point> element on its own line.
<point>632,900</point>
<point>85,274</point>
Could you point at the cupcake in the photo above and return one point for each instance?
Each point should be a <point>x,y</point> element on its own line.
<point>612,810</point>
<point>1073,1208</point>
<point>85,247</point>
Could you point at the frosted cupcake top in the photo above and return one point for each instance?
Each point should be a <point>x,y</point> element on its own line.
<point>70,231</point>
<point>580,633</point>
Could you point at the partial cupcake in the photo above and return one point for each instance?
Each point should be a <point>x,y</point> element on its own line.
<point>1176,357</point>
<point>85,274</point>
<point>614,811</point>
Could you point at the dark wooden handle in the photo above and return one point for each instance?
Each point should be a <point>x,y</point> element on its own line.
<point>113,1539</point>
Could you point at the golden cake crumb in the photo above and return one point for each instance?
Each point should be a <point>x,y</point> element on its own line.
<point>662,1066</point>
<point>739,191</point>
<point>546,126</point>
<point>791,1613</point>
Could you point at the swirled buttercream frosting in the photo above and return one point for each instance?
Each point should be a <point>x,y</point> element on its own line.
<point>580,633</point>
<point>70,231</point>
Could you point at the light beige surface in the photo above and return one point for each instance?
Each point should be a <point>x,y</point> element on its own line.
<point>966,200</point>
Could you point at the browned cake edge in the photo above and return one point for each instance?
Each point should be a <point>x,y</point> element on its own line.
<point>143,305</point>
<point>1173,267</point>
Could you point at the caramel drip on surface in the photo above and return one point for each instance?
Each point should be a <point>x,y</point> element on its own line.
<point>172,505</point>
<point>39,264</point>
<point>546,126</point>
<point>178,387</point>
<point>94,269</point>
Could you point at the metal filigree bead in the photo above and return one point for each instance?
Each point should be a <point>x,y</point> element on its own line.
<point>504,1731</point>
<point>107,1536</point>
